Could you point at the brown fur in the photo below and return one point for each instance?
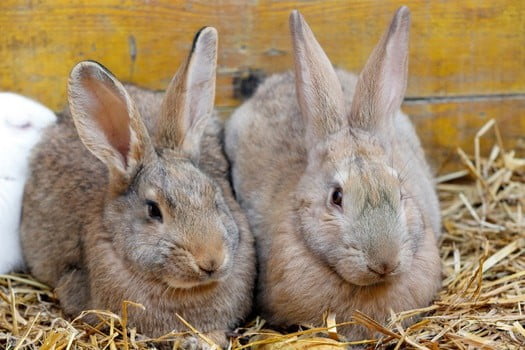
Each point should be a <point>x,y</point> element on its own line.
<point>293,144</point>
<point>86,231</point>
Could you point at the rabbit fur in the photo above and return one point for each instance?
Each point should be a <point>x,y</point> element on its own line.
<point>336,188</point>
<point>112,214</point>
<point>22,121</point>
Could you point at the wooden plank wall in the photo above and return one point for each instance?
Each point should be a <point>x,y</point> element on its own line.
<point>467,58</point>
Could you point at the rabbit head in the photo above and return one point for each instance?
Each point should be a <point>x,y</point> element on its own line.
<point>23,113</point>
<point>354,211</point>
<point>22,121</point>
<point>164,217</point>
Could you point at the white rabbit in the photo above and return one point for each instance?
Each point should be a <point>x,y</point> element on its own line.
<point>21,123</point>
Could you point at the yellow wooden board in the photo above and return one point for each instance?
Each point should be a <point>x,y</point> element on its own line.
<point>443,126</point>
<point>458,48</point>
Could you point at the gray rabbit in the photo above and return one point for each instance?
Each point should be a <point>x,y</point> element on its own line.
<point>336,187</point>
<point>118,212</point>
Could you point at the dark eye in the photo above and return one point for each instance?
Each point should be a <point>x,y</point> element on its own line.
<point>154,210</point>
<point>337,197</point>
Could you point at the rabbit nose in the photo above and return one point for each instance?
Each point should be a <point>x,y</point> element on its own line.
<point>210,259</point>
<point>383,268</point>
<point>209,266</point>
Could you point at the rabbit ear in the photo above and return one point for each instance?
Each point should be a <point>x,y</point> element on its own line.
<point>107,121</point>
<point>319,91</point>
<point>189,100</point>
<point>382,84</point>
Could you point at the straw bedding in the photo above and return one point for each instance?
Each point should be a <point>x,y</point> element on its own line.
<point>480,305</point>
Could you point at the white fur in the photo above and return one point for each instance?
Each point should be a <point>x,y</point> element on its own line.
<point>341,176</point>
<point>21,123</point>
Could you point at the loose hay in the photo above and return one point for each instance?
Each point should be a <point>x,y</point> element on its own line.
<point>480,305</point>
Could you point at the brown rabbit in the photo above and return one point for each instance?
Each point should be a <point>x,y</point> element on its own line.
<point>336,187</point>
<point>152,220</point>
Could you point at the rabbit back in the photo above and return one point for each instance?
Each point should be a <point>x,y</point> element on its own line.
<point>63,193</point>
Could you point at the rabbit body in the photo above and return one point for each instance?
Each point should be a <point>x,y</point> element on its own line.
<point>21,123</point>
<point>315,256</point>
<point>67,190</point>
<point>169,235</point>
<point>11,192</point>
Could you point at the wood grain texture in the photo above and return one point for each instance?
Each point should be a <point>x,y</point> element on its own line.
<point>470,51</point>
<point>443,126</point>
<point>458,48</point>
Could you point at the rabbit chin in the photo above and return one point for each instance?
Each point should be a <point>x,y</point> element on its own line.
<point>194,282</point>
<point>179,284</point>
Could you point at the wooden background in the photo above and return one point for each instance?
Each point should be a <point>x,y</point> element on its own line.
<point>467,58</point>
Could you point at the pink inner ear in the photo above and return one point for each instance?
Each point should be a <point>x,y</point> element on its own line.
<point>110,112</point>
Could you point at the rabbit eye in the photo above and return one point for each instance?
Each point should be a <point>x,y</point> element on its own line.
<point>154,210</point>
<point>337,197</point>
